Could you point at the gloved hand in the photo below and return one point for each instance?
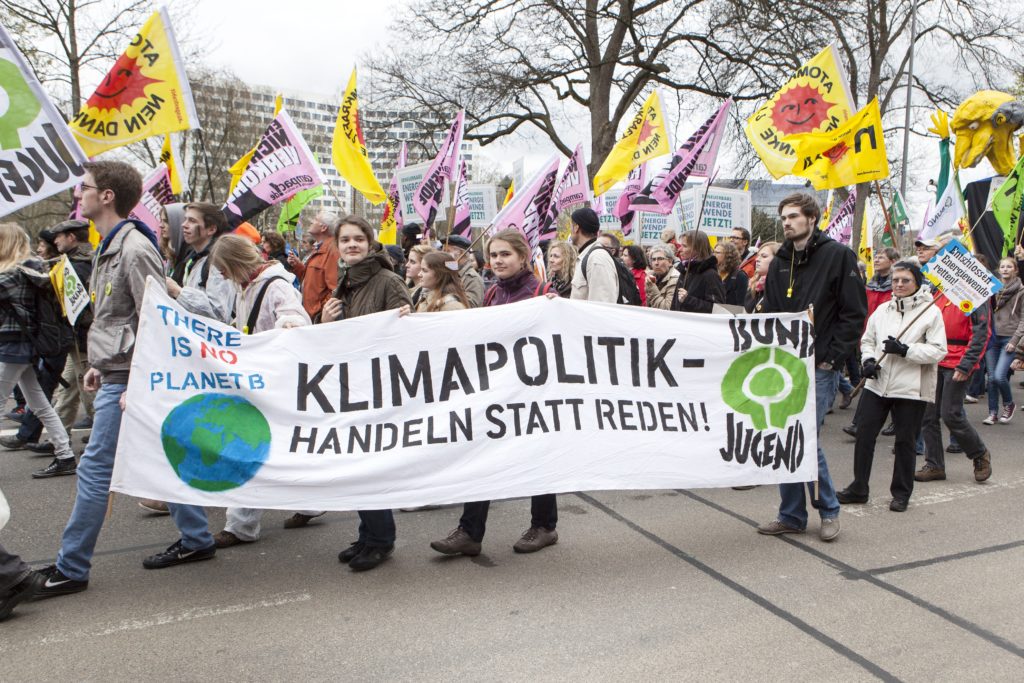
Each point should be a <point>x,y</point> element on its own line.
<point>869,369</point>
<point>895,347</point>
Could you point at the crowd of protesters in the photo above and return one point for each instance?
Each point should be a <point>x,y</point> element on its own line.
<point>913,351</point>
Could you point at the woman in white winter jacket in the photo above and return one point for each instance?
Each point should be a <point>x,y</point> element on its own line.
<point>909,331</point>
<point>266,299</point>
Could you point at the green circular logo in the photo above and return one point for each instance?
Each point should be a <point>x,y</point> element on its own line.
<point>22,105</point>
<point>767,384</point>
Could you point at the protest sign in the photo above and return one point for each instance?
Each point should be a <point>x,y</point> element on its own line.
<point>607,218</point>
<point>723,210</point>
<point>38,154</point>
<point>652,225</point>
<point>541,396</point>
<point>281,167</point>
<point>409,180</point>
<point>962,278</point>
<point>483,205</point>
<point>145,93</point>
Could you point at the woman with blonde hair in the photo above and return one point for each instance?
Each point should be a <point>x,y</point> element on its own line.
<point>755,290</point>
<point>20,275</point>
<point>562,257</point>
<point>734,280</point>
<point>265,299</point>
<point>412,271</point>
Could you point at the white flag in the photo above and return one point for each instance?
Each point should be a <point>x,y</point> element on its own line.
<point>943,214</point>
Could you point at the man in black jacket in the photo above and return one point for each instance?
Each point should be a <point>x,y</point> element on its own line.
<point>811,269</point>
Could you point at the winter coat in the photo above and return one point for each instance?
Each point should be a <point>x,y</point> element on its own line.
<point>913,377</point>
<point>640,275</point>
<point>1007,309</point>
<point>660,291</point>
<point>601,281</point>
<point>825,275</point>
<point>473,284</point>
<point>516,288</point>
<point>116,287</point>
<point>319,275</point>
<point>213,298</point>
<point>878,290</point>
<point>966,335</point>
<point>735,287</point>
<point>702,284</point>
<point>281,305</point>
<point>370,286</point>
<point>17,298</point>
<point>561,287</point>
<point>753,302</point>
<point>450,302</point>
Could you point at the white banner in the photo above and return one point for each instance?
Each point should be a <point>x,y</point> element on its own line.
<point>723,210</point>
<point>962,278</point>
<point>652,225</point>
<point>409,180</point>
<point>542,396</point>
<point>483,205</point>
<point>38,154</point>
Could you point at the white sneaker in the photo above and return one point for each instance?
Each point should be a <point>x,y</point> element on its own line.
<point>990,420</point>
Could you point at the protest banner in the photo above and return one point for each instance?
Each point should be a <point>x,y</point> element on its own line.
<point>348,147</point>
<point>646,137</point>
<point>635,182</point>
<point>573,188</point>
<point>38,154</point>
<point>441,172</point>
<point>723,210</point>
<point>816,99</point>
<point>281,167</point>
<point>462,221</point>
<point>606,215</point>
<point>145,93</point>
<point>409,180</point>
<point>157,190</point>
<point>962,278</point>
<point>483,204</point>
<point>840,224</point>
<point>541,396</point>
<point>652,225</point>
<point>943,213</point>
<point>852,153</point>
<point>528,208</point>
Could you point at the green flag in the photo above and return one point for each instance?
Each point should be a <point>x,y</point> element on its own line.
<point>1006,205</point>
<point>897,211</point>
<point>292,208</point>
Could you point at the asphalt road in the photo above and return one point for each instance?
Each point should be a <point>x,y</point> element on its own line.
<point>643,585</point>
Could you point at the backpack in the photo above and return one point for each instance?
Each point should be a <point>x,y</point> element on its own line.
<point>629,293</point>
<point>257,304</point>
<point>48,331</point>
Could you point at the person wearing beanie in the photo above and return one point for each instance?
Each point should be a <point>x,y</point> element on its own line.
<point>596,278</point>
<point>909,332</point>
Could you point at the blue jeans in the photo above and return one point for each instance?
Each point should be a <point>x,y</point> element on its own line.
<point>94,471</point>
<point>998,360</point>
<point>793,509</point>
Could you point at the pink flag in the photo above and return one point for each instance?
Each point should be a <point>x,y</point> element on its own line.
<point>462,218</point>
<point>428,194</point>
<point>573,188</point>
<point>530,205</point>
<point>393,204</point>
<point>156,191</point>
<point>840,227</point>
<point>623,210</point>
<point>597,204</point>
<point>661,193</point>
<point>705,165</point>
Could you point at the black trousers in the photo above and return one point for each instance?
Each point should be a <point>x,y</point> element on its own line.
<point>543,513</point>
<point>377,528</point>
<point>906,415</point>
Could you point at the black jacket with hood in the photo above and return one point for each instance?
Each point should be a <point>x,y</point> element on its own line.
<point>823,275</point>
<point>702,284</point>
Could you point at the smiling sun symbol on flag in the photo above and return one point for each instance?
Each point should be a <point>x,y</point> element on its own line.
<point>801,109</point>
<point>123,84</point>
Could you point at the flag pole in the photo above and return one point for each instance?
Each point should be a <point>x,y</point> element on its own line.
<point>206,159</point>
<point>885,212</point>
<point>704,200</point>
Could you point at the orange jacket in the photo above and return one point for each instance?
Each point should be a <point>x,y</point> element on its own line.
<point>319,276</point>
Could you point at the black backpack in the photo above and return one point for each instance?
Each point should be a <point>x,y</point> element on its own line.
<point>629,293</point>
<point>49,331</point>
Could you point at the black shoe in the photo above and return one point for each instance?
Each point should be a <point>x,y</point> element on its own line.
<point>890,430</point>
<point>12,442</point>
<point>898,505</point>
<point>19,593</point>
<point>851,430</point>
<point>178,554</point>
<point>350,553</point>
<point>55,583</point>
<point>954,448</point>
<point>370,558</point>
<point>848,497</point>
<point>40,447</point>
<point>60,467</point>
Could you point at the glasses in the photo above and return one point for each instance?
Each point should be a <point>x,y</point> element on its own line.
<point>734,237</point>
<point>902,281</point>
<point>658,258</point>
<point>86,186</point>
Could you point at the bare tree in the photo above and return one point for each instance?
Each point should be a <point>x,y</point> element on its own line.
<point>551,64</point>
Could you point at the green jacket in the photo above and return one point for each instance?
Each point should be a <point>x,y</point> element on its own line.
<point>370,286</point>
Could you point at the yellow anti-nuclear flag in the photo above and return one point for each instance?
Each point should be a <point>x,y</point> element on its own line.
<point>145,93</point>
<point>511,193</point>
<point>237,169</point>
<point>866,247</point>
<point>168,158</point>
<point>348,148</point>
<point>851,154</point>
<point>815,100</point>
<point>645,138</point>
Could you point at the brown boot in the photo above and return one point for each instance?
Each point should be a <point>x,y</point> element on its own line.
<point>983,467</point>
<point>226,539</point>
<point>298,520</point>
<point>535,538</point>
<point>929,473</point>
<point>458,542</point>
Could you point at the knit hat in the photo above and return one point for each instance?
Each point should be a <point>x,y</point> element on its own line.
<point>587,220</point>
